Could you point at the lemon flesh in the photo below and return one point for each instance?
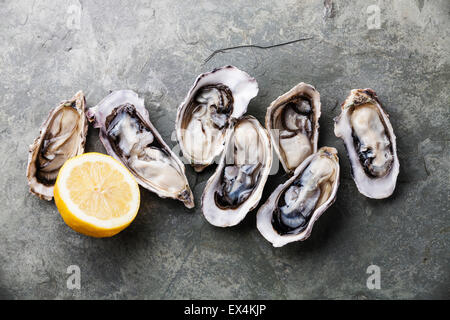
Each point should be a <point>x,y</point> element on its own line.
<point>96,195</point>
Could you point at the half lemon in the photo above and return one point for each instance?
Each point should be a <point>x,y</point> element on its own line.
<point>96,195</point>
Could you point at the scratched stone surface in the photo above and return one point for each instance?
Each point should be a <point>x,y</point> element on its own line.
<point>157,48</point>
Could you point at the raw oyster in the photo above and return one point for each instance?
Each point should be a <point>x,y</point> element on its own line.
<point>290,212</point>
<point>204,116</point>
<point>293,123</point>
<point>368,136</point>
<point>62,136</point>
<point>237,184</point>
<point>130,137</point>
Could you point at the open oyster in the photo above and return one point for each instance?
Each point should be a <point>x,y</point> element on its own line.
<point>237,184</point>
<point>290,212</point>
<point>204,116</point>
<point>130,137</point>
<point>370,142</point>
<point>62,136</point>
<point>293,123</point>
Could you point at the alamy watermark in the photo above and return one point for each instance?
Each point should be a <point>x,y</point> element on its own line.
<point>237,152</point>
<point>74,280</point>
<point>374,280</point>
<point>73,21</point>
<point>374,17</point>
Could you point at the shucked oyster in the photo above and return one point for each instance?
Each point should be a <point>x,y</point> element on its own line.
<point>290,212</point>
<point>236,186</point>
<point>293,123</point>
<point>370,142</point>
<point>204,116</point>
<point>62,136</point>
<point>129,136</point>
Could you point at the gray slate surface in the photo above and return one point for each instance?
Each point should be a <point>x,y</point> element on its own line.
<point>157,48</point>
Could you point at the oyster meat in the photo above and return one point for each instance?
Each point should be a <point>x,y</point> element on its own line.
<point>130,137</point>
<point>237,184</point>
<point>368,136</point>
<point>204,116</point>
<point>293,123</point>
<point>62,136</point>
<point>291,210</point>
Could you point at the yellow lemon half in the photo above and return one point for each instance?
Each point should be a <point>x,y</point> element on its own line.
<point>96,195</point>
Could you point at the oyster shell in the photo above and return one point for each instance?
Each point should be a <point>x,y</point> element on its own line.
<point>293,123</point>
<point>368,136</point>
<point>130,137</point>
<point>291,210</point>
<point>237,184</point>
<point>62,136</point>
<point>204,116</point>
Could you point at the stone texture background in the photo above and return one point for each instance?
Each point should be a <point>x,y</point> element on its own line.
<point>157,48</point>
